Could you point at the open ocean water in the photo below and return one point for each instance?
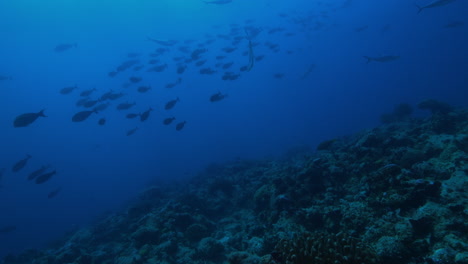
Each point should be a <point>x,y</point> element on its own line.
<point>100,99</point>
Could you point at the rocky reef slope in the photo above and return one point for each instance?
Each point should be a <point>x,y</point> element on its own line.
<point>393,194</point>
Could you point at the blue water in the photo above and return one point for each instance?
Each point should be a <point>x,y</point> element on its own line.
<point>99,168</point>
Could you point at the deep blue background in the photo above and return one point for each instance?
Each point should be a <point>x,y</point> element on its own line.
<point>99,168</point>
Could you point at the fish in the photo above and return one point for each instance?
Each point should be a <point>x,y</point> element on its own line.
<point>83,115</point>
<point>170,104</point>
<point>387,58</point>
<point>218,2</point>
<point>112,74</point>
<point>88,92</point>
<point>217,97</point>
<point>435,3</point>
<point>454,24</point>
<point>207,71</point>
<point>27,119</point>
<point>144,116</point>
<point>172,85</point>
<point>181,69</point>
<point>230,76</point>
<point>228,49</point>
<point>5,78</point>
<point>125,65</point>
<point>278,75</point>
<point>143,89</point>
<point>102,121</point>
<point>90,103</point>
<point>68,90</point>
<point>20,164</point>
<point>7,229</point>
<point>158,68</point>
<point>180,125</point>
<point>308,71</point>
<point>361,29</point>
<point>131,115</point>
<point>54,193</point>
<point>37,172</point>
<point>132,131</point>
<point>134,79</point>
<point>200,63</point>
<point>82,101</point>
<point>101,107</point>
<point>168,121</point>
<point>64,47</point>
<point>227,65</point>
<point>125,106</point>
<point>45,177</point>
<point>162,42</point>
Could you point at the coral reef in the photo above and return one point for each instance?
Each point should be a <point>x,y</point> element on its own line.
<point>395,194</point>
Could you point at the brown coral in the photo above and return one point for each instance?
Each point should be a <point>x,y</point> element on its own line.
<point>323,248</point>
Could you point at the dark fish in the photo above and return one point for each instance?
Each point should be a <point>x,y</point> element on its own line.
<point>278,75</point>
<point>45,177</point>
<point>382,58</point>
<point>308,71</point>
<point>7,229</point>
<point>207,71</point>
<point>102,121</point>
<point>137,68</point>
<point>132,131</point>
<point>81,101</point>
<point>217,97</point>
<point>259,57</point>
<point>37,172</point>
<point>90,103</point>
<point>54,193</point>
<point>106,96</point>
<point>229,49</point>
<point>83,115</point>
<point>227,65</point>
<point>126,64</point>
<point>162,42</point>
<point>101,107</point>
<point>158,68</point>
<point>131,115</point>
<point>112,74</point>
<point>180,125</point>
<point>154,61</point>
<point>143,89</point>
<point>454,24</point>
<point>87,93</point>
<point>27,119</point>
<point>200,63</point>
<point>64,47</point>
<point>197,53</point>
<point>170,104</point>
<point>144,116</point>
<point>172,85</point>
<point>68,90</point>
<point>230,76</point>
<point>115,96</point>
<point>20,164</point>
<point>168,120</point>
<point>181,69</point>
<point>220,57</point>
<point>125,106</point>
<point>435,3</point>
<point>134,79</point>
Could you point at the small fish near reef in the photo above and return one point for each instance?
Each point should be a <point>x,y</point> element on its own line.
<point>436,3</point>
<point>180,125</point>
<point>170,104</point>
<point>168,121</point>
<point>82,116</point>
<point>27,119</point>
